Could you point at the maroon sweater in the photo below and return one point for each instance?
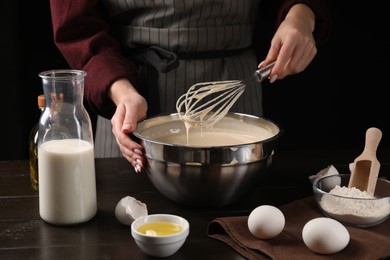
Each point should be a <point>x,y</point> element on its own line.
<point>82,36</point>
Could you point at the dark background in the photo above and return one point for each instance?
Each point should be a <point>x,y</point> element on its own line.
<point>328,106</point>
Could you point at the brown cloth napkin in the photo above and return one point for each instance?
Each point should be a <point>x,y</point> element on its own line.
<point>365,243</point>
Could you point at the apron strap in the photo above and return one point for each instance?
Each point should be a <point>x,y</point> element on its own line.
<point>153,60</point>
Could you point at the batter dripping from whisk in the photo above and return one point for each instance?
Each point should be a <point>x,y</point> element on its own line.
<point>202,108</point>
<point>205,114</point>
<point>200,112</point>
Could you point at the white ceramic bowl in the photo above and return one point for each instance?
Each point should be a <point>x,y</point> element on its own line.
<point>352,211</point>
<point>160,245</point>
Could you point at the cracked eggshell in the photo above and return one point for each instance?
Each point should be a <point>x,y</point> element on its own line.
<point>330,170</point>
<point>128,209</point>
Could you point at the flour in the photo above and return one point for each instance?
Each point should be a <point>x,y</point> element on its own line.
<point>358,208</point>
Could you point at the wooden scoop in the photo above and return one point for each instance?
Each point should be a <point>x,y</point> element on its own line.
<point>366,166</point>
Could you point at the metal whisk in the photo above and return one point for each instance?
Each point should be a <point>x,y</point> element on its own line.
<point>206,103</point>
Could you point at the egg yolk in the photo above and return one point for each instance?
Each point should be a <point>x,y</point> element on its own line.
<point>160,228</point>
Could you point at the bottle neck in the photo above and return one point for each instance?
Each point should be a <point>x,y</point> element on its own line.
<point>64,116</point>
<point>62,87</point>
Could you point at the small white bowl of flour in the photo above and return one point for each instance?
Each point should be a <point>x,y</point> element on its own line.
<point>352,206</point>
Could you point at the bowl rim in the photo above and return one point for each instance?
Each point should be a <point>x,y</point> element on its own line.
<point>160,217</point>
<point>139,136</point>
<point>316,188</point>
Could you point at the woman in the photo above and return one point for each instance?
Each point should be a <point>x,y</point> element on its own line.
<point>141,56</point>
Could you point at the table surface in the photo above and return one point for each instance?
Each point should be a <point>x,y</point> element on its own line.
<point>24,235</point>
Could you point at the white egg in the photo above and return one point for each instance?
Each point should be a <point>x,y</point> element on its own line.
<point>266,222</point>
<point>325,235</point>
<point>128,209</point>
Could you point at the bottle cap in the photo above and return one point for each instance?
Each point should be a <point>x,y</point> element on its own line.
<point>41,100</point>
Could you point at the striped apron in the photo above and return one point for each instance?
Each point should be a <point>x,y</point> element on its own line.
<point>210,39</point>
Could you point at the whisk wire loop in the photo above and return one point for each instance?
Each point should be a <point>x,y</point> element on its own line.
<point>204,104</point>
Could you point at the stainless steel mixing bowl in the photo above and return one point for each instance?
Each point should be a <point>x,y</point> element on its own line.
<point>207,176</point>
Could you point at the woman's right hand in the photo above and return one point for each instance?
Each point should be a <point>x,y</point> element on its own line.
<point>130,108</point>
<point>293,46</point>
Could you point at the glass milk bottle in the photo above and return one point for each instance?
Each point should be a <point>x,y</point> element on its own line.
<point>66,166</point>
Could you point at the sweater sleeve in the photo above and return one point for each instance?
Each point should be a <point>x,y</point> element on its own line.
<point>321,12</point>
<point>82,36</point>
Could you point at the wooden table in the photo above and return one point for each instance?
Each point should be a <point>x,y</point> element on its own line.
<point>23,235</point>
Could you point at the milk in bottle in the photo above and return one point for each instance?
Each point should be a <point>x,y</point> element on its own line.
<point>66,167</point>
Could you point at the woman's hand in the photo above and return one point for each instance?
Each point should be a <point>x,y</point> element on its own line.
<point>293,45</point>
<point>130,108</point>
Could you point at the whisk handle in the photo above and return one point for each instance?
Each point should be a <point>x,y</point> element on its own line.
<point>263,73</point>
